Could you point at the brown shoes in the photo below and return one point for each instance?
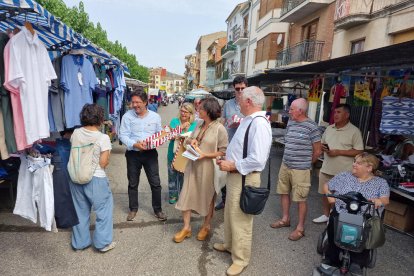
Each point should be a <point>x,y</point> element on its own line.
<point>182,235</point>
<point>234,269</point>
<point>203,233</point>
<point>160,216</point>
<point>296,235</point>
<point>220,247</point>
<point>131,215</point>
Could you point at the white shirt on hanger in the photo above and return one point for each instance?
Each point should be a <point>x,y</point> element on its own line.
<point>31,71</point>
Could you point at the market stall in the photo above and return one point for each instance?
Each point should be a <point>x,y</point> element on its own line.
<point>50,72</point>
<point>379,86</point>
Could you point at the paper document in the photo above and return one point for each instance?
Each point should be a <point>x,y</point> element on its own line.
<point>187,134</point>
<point>191,153</point>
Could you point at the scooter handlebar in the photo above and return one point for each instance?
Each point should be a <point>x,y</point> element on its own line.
<point>347,199</point>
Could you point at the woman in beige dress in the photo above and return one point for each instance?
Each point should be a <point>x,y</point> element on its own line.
<point>198,193</point>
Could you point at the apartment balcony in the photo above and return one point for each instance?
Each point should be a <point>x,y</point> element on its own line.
<point>294,10</point>
<point>210,63</point>
<point>351,13</point>
<point>240,36</point>
<point>228,50</point>
<point>305,51</point>
<point>225,75</point>
<point>236,70</point>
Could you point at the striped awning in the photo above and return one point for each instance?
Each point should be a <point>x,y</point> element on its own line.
<point>56,36</point>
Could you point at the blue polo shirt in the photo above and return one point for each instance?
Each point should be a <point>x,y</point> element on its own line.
<point>76,94</point>
<point>136,129</point>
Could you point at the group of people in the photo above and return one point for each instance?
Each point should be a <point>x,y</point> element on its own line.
<point>218,141</point>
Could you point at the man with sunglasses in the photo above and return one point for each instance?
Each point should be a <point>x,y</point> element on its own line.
<point>230,109</point>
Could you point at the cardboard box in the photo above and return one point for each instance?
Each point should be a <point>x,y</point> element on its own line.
<point>400,216</point>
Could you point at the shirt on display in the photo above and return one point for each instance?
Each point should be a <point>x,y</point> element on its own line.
<point>78,79</point>
<point>31,71</point>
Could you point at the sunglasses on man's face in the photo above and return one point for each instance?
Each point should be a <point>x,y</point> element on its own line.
<point>238,89</point>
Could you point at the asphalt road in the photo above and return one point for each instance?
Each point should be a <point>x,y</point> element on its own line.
<point>145,246</point>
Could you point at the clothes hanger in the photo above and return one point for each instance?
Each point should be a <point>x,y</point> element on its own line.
<point>29,25</point>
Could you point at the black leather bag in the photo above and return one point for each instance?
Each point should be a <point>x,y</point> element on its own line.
<point>252,199</point>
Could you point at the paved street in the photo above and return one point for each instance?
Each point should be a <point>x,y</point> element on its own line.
<point>145,246</point>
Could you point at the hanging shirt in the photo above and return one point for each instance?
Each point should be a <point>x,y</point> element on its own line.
<point>31,71</point>
<point>78,80</point>
<point>5,106</point>
<point>120,88</point>
<point>18,121</point>
<point>57,98</point>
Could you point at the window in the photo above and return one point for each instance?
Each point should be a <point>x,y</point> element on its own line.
<point>357,46</point>
<point>267,47</point>
<point>309,31</point>
<point>269,5</point>
<point>242,61</point>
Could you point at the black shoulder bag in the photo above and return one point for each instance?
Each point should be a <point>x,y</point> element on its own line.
<point>252,199</point>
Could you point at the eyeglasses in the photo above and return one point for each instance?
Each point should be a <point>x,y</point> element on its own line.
<point>185,111</point>
<point>238,89</point>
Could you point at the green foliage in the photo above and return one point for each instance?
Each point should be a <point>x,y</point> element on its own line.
<point>78,20</point>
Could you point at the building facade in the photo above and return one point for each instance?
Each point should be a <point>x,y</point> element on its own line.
<point>157,78</point>
<point>215,65</point>
<point>366,25</point>
<point>203,44</point>
<point>235,51</point>
<point>311,30</point>
<point>267,35</point>
<point>191,70</point>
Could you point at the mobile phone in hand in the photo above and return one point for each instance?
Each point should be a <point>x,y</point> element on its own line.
<point>326,146</point>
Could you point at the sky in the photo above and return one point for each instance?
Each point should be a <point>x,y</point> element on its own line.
<point>160,33</point>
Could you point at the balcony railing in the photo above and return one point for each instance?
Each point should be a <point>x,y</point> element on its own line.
<point>346,8</point>
<point>307,50</point>
<point>240,36</point>
<point>289,5</point>
<point>225,75</point>
<point>229,49</point>
<point>210,63</point>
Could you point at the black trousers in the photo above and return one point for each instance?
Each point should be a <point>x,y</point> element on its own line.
<point>135,161</point>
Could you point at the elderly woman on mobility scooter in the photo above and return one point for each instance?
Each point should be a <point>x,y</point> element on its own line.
<point>362,180</point>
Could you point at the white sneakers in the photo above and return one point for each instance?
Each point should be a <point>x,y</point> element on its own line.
<point>321,219</point>
<point>108,247</point>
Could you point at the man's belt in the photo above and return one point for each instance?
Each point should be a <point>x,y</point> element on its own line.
<point>236,171</point>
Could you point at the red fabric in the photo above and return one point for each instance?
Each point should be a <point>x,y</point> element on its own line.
<point>339,91</point>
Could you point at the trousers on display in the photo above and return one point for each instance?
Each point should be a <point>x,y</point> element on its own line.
<point>65,213</point>
<point>35,191</point>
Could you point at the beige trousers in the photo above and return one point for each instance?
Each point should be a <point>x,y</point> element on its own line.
<point>238,226</point>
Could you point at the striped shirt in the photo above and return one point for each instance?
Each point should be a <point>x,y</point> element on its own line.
<point>299,139</point>
<point>346,182</point>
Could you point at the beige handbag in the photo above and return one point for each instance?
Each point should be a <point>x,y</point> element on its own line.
<point>180,162</point>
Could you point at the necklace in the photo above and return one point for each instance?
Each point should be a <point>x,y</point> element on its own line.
<point>202,132</point>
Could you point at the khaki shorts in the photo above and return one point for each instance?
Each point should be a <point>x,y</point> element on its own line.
<point>296,182</point>
<point>323,178</point>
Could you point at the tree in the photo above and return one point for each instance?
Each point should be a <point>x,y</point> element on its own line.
<point>78,20</point>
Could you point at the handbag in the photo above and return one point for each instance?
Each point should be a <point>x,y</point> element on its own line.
<point>252,199</point>
<point>374,231</point>
<point>179,162</point>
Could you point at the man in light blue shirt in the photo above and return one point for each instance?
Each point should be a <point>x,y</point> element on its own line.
<point>138,124</point>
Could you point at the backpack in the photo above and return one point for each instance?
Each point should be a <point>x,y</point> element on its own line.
<point>82,163</point>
